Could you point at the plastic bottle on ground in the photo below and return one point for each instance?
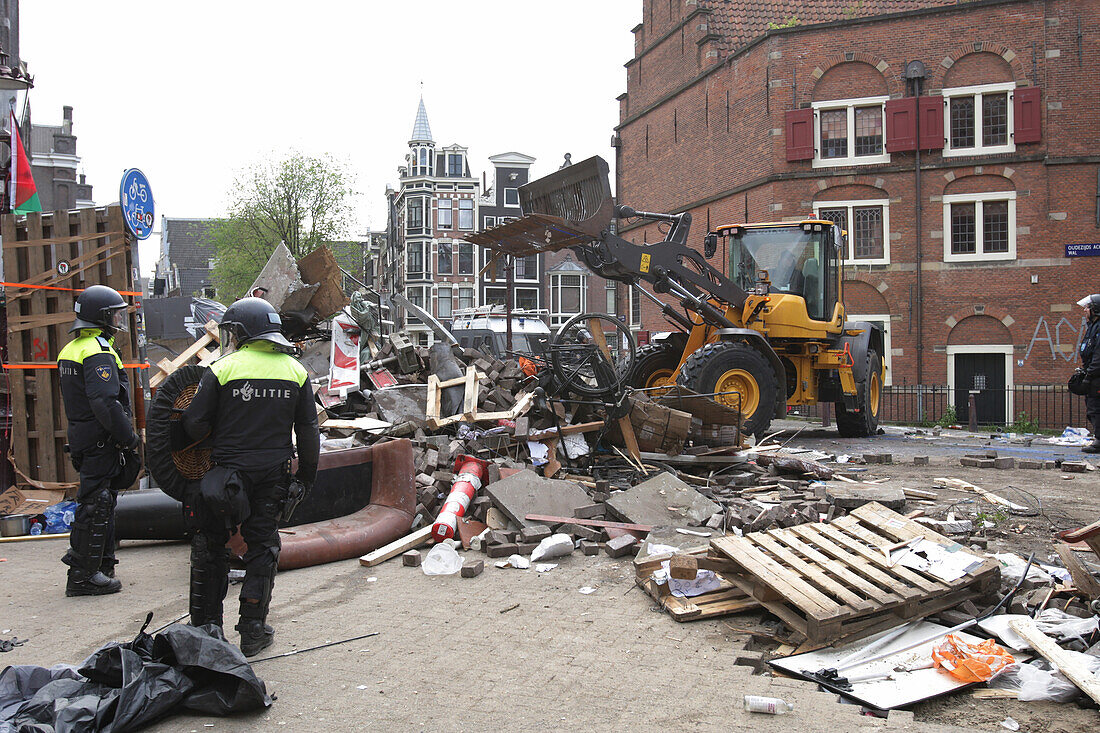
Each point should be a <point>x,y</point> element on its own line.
<point>769,705</point>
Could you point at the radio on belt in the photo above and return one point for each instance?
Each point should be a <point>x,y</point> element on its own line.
<point>470,475</point>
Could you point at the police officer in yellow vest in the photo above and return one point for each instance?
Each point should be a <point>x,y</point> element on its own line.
<point>248,403</point>
<point>102,440</point>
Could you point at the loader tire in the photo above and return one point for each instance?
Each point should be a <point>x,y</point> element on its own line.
<point>736,369</point>
<point>864,420</point>
<point>654,366</point>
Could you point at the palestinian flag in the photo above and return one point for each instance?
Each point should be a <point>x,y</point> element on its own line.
<point>22,193</point>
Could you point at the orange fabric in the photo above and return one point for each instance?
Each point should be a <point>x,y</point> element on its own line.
<point>970,662</point>
<point>529,367</point>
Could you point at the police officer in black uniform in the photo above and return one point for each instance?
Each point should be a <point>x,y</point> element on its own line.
<point>1090,363</point>
<point>248,403</point>
<point>102,441</point>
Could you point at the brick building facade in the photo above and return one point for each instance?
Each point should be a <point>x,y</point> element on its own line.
<point>779,110</point>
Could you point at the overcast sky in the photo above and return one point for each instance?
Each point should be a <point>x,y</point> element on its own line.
<point>193,92</point>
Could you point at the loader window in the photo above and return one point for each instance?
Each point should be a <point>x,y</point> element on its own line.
<point>798,262</point>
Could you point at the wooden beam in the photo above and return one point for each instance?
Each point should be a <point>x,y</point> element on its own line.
<point>1074,670</point>
<point>395,548</point>
<point>603,524</point>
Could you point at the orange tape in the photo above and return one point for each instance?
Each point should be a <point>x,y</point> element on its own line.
<point>54,287</point>
<point>41,365</point>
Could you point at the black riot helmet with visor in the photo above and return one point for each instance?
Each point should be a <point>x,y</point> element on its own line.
<point>252,319</point>
<point>101,307</point>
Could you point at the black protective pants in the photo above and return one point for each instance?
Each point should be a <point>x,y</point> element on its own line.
<point>92,535</point>
<point>1092,413</point>
<point>267,490</point>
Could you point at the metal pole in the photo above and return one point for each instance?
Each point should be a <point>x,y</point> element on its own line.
<point>509,281</point>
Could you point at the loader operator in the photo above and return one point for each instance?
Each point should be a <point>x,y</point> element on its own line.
<point>1090,362</point>
<point>102,441</point>
<point>248,403</point>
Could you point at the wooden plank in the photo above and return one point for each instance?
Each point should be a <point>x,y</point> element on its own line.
<point>469,405</point>
<point>584,427</point>
<point>781,581</point>
<point>432,410</point>
<point>46,465</point>
<point>843,571</point>
<point>880,563</point>
<point>395,548</point>
<point>877,572</point>
<point>815,573</point>
<point>1082,578</point>
<point>1071,667</point>
<point>889,522</point>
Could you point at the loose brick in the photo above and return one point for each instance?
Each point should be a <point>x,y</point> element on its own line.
<point>411,559</point>
<point>976,462</point>
<point>510,548</point>
<point>1074,466</point>
<point>590,548</point>
<point>535,533</point>
<point>621,545</point>
<point>526,548</point>
<point>1004,462</point>
<point>472,569</point>
<point>683,567</point>
<point>589,511</point>
<point>920,460</point>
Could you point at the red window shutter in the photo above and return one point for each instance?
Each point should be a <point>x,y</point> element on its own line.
<point>1028,113</point>
<point>931,123</point>
<point>800,134</point>
<point>901,125</point>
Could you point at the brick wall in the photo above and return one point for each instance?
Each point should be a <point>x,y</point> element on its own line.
<point>683,147</point>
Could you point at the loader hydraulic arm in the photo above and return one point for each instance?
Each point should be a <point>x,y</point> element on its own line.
<point>670,266</point>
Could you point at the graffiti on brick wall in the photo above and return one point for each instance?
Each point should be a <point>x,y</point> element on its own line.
<point>1062,341</point>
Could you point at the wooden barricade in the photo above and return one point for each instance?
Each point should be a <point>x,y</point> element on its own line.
<point>92,247</point>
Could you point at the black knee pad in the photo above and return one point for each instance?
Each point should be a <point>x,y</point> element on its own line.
<point>102,506</point>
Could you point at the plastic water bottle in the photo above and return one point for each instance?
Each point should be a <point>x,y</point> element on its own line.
<point>769,705</point>
<point>36,528</point>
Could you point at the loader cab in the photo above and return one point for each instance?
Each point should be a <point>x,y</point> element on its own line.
<point>800,258</point>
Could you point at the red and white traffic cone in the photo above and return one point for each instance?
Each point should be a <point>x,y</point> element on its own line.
<point>470,475</point>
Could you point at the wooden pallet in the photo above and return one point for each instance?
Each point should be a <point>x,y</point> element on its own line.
<point>205,349</point>
<point>471,383</point>
<point>721,602</point>
<point>97,250</point>
<point>832,581</point>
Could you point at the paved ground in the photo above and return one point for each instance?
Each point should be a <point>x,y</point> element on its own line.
<point>450,653</point>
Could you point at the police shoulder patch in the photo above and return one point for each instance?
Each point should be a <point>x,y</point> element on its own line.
<point>104,373</point>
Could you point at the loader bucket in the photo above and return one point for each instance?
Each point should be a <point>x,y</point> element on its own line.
<point>569,207</point>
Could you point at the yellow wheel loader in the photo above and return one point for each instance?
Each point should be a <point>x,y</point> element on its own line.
<point>767,332</point>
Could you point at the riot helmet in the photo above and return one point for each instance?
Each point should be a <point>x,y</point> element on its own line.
<point>252,319</point>
<point>1092,303</point>
<point>100,307</point>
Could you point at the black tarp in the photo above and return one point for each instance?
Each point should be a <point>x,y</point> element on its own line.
<point>122,687</point>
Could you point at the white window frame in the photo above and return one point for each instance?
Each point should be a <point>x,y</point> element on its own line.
<point>515,193</point>
<point>979,199</point>
<point>610,291</point>
<point>851,159</point>
<point>461,163</point>
<point>888,357</point>
<point>849,255</point>
<point>490,222</point>
<point>457,252</point>
<point>425,260</point>
<point>1006,349</point>
<point>472,291</point>
<point>425,294</point>
<point>976,91</point>
<point>444,293</point>
<point>526,278</point>
<point>472,210</point>
<point>440,208</point>
<point>528,290</point>
<point>632,301</point>
<point>558,317</point>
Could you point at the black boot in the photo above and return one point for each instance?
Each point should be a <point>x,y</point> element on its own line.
<point>84,583</point>
<point>255,636</point>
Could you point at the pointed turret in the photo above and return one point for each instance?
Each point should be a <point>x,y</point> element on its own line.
<point>422,131</point>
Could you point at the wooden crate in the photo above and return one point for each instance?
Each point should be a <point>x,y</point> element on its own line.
<point>98,250</point>
<point>721,602</point>
<point>832,581</point>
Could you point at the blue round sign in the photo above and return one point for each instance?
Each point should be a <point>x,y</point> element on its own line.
<point>136,197</point>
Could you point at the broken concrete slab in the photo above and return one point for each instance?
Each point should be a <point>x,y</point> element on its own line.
<point>662,501</point>
<point>526,493</point>
<point>849,496</point>
<point>401,405</point>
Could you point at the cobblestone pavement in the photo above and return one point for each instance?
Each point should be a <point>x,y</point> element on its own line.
<point>449,652</point>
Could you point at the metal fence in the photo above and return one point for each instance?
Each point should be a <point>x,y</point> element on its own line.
<point>1044,406</point>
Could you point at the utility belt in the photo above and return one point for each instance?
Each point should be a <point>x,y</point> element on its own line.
<point>105,456</point>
